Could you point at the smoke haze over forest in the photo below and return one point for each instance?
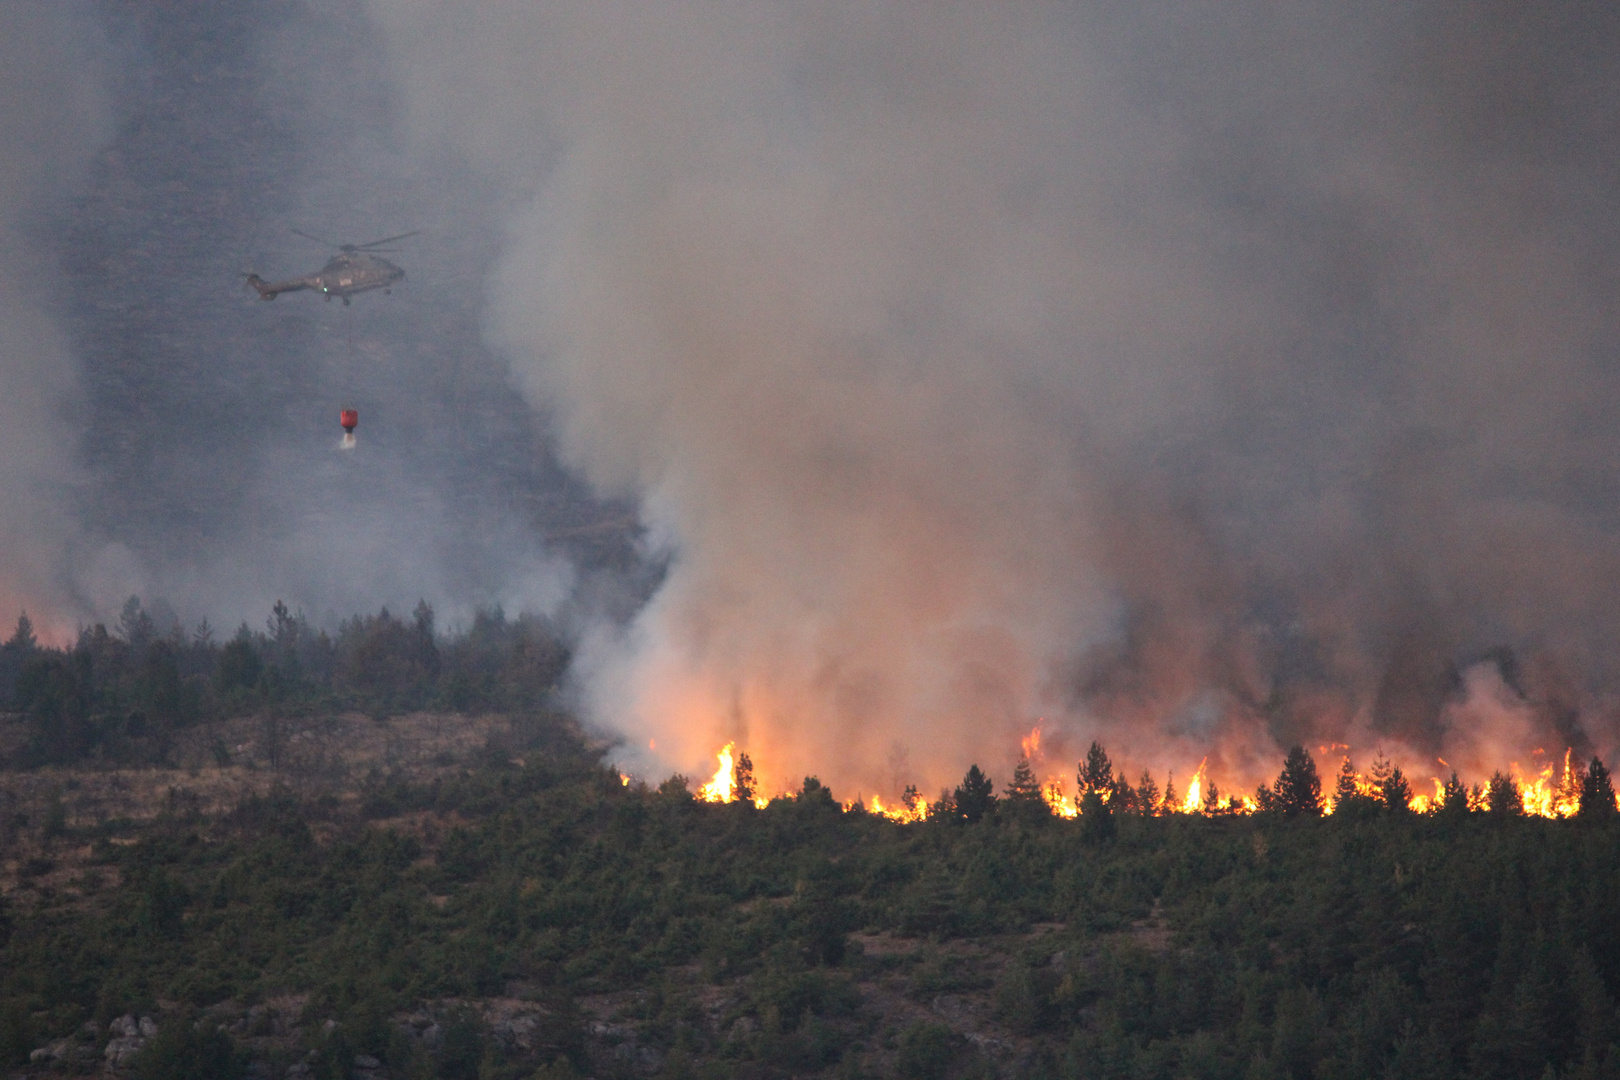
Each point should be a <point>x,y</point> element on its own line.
<point>1203,378</point>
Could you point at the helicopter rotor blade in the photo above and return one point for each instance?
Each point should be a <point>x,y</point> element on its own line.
<point>386,240</point>
<point>310,236</point>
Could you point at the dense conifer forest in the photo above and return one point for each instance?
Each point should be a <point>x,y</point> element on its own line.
<point>486,897</point>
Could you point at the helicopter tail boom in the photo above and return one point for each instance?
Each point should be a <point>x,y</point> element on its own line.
<point>269,290</point>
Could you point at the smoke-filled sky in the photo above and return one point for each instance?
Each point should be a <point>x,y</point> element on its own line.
<point>1194,377</point>
<point>167,434</point>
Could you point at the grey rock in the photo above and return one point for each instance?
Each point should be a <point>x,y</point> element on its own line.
<point>433,1036</point>
<point>148,1027</point>
<point>520,1030</point>
<point>122,1050</point>
<point>126,1026</point>
<point>366,1061</point>
<point>298,1069</point>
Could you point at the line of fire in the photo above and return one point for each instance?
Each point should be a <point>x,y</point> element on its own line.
<point>1555,789</point>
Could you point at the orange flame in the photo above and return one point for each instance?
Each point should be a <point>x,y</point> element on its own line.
<point>1059,803</point>
<point>719,789</point>
<point>1195,790</point>
<point>1543,798</point>
<point>1545,794</point>
<point>917,811</point>
<point>1052,789</point>
<point>1031,744</point>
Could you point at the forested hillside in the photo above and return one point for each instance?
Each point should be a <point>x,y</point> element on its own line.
<point>388,854</point>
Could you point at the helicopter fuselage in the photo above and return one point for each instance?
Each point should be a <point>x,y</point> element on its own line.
<point>347,273</point>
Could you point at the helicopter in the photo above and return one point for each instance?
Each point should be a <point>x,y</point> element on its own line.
<point>356,268</point>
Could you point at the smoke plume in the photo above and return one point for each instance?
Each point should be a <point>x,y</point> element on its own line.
<point>53,115</point>
<point>167,434</point>
<point>1195,378</point>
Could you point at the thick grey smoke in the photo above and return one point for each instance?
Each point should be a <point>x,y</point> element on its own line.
<point>167,434</point>
<point>53,115</point>
<point>1195,377</point>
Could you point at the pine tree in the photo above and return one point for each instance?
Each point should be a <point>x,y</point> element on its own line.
<point>1096,773</point>
<point>1502,797</point>
<point>742,779</point>
<point>1348,800</point>
<point>1595,1019</point>
<point>1454,800</point>
<point>1124,797</point>
<point>909,798</point>
<point>1597,793</point>
<point>976,798</point>
<point>1381,770</point>
<point>1147,795</point>
<point>1299,788</point>
<point>1397,792</point>
<point>1264,799</point>
<point>1024,796</point>
<point>23,639</point>
<point>1024,787</point>
<point>1096,818</point>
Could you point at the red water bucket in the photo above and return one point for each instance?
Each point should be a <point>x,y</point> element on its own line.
<point>349,418</point>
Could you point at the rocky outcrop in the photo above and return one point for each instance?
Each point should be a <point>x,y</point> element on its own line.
<point>129,1036</point>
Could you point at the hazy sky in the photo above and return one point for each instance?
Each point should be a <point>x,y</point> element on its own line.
<point>1196,377</point>
<point>175,437</point>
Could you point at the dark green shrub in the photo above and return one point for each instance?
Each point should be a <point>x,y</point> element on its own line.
<point>184,1049</point>
<point>925,1052</point>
